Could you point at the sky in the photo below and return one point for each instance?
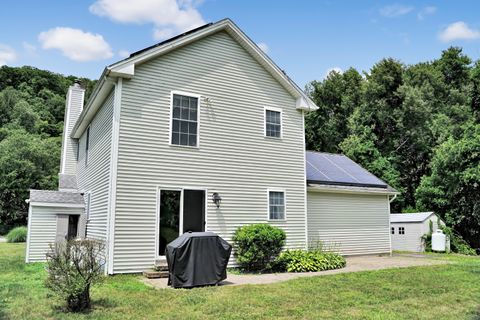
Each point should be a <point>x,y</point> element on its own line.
<point>305,38</point>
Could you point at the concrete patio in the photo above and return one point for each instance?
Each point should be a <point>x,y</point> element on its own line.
<point>354,264</point>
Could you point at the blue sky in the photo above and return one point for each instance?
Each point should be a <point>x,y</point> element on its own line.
<point>305,38</point>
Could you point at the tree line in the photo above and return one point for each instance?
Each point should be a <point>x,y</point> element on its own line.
<point>415,126</point>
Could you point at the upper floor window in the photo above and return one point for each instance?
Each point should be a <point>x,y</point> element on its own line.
<point>87,145</point>
<point>276,205</point>
<point>273,122</point>
<point>185,110</point>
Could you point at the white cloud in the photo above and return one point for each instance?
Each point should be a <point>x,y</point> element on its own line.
<point>263,46</point>
<point>395,10</point>
<point>168,16</point>
<point>334,69</point>
<point>123,54</point>
<point>426,12</point>
<point>458,31</point>
<point>76,44</point>
<point>7,54</point>
<point>29,48</point>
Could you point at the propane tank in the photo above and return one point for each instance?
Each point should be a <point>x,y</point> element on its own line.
<point>439,241</point>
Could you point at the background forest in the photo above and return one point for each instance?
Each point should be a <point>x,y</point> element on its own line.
<point>417,127</point>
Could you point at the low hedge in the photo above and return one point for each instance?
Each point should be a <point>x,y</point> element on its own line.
<point>309,261</point>
<point>18,234</point>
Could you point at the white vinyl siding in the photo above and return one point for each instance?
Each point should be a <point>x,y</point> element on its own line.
<point>233,157</point>
<point>95,178</point>
<point>43,229</point>
<point>69,145</point>
<point>349,223</point>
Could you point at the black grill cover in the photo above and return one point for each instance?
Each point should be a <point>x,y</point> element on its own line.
<point>197,259</point>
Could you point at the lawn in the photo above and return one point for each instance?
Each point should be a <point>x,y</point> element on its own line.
<point>437,292</point>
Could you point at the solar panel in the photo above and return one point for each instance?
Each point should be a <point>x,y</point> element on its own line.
<point>337,169</point>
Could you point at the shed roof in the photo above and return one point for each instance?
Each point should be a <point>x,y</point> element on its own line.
<point>56,197</point>
<point>337,169</point>
<point>410,217</point>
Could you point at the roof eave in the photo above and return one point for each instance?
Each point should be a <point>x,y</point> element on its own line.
<point>350,189</point>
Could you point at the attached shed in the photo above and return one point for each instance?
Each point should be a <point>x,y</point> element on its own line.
<point>348,208</point>
<point>53,216</point>
<point>407,229</point>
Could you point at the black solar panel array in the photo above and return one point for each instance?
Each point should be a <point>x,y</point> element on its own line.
<point>337,169</point>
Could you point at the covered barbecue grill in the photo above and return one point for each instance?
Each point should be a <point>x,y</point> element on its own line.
<point>197,259</point>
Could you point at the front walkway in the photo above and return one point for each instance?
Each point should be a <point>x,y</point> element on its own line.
<point>354,264</point>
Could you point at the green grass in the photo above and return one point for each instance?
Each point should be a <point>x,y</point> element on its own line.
<point>437,292</point>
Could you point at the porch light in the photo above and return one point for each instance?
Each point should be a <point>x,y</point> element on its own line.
<point>216,199</point>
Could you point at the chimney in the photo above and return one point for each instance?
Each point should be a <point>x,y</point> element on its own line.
<point>73,108</point>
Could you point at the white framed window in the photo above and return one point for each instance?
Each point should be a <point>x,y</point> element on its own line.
<point>393,230</point>
<point>87,145</point>
<point>273,122</point>
<point>401,230</point>
<point>185,119</point>
<point>88,202</point>
<point>276,204</point>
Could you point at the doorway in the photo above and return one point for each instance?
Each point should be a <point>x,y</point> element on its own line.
<point>181,211</point>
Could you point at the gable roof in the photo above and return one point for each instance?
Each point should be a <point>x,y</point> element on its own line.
<point>410,217</point>
<point>339,170</point>
<point>126,68</point>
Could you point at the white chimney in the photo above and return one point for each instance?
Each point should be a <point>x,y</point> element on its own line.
<point>73,108</point>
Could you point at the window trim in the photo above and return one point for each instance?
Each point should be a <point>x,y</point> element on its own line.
<point>392,230</point>
<point>186,94</point>
<point>265,122</point>
<point>284,204</point>
<point>87,144</point>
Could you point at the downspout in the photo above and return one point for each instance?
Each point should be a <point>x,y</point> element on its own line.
<point>394,197</point>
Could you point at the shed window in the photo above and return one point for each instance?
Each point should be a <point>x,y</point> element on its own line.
<point>276,205</point>
<point>393,230</point>
<point>401,230</point>
<point>184,120</point>
<point>87,145</point>
<point>273,123</point>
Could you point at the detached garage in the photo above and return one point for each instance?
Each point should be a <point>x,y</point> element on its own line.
<point>348,208</point>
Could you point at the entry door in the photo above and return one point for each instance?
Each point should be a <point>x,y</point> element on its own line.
<point>180,211</point>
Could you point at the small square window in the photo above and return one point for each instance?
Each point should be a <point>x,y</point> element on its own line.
<point>401,230</point>
<point>393,230</point>
<point>276,205</point>
<point>273,123</point>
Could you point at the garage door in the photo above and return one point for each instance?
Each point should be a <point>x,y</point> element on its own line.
<point>349,223</point>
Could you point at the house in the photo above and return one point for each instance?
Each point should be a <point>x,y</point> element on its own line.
<point>407,229</point>
<point>199,132</point>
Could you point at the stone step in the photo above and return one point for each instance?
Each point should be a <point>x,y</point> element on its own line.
<point>161,266</point>
<point>152,274</point>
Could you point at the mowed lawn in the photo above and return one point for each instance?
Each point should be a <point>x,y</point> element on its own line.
<point>438,292</point>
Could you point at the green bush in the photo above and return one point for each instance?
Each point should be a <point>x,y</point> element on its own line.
<point>257,246</point>
<point>18,234</point>
<point>309,261</point>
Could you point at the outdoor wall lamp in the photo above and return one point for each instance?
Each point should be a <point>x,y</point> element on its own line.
<point>216,199</point>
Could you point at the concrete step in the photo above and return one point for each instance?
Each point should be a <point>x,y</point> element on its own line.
<point>161,265</point>
<point>152,274</point>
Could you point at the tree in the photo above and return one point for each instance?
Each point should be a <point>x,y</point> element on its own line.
<point>452,189</point>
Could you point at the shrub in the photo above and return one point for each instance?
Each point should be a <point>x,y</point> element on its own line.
<point>73,267</point>
<point>308,261</point>
<point>18,234</point>
<point>257,246</point>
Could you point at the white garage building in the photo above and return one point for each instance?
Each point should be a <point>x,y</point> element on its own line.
<point>407,229</point>
<point>348,208</point>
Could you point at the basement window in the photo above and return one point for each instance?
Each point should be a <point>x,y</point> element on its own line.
<point>185,110</point>
<point>401,230</point>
